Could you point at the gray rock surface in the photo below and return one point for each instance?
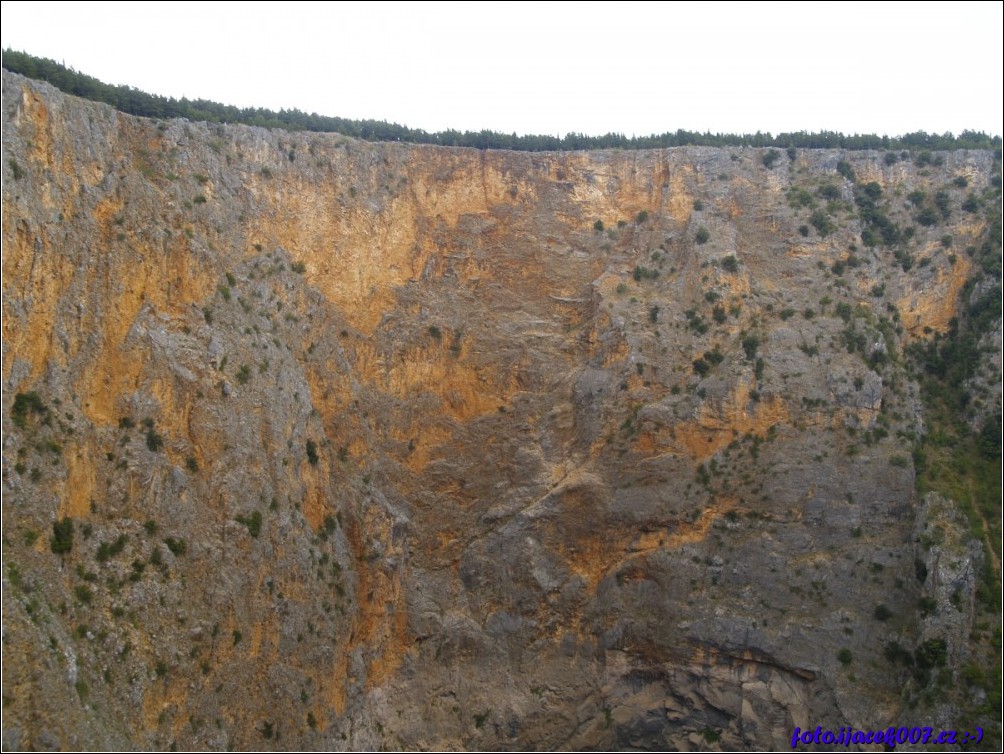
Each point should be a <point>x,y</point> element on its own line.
<point>384,446</point>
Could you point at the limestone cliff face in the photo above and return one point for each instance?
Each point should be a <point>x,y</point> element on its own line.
<point>376,445</point>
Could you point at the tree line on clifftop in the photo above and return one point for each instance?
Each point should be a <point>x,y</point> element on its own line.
<point>136,102</point>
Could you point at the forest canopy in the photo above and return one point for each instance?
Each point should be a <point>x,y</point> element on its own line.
<point>135,102</point>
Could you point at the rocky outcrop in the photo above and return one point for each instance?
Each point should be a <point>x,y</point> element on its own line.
<point>377,445</point>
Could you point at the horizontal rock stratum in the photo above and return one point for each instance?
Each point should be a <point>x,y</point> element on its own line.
<point>373,445</point>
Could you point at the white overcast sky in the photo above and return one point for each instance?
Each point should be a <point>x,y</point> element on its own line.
<point>589,67</point>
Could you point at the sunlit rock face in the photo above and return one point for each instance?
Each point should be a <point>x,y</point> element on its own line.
<point>380,445</point>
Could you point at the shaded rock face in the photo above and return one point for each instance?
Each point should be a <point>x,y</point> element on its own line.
<point>377,445</point>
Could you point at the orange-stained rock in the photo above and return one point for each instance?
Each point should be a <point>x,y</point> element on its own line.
<point>377,445</point>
